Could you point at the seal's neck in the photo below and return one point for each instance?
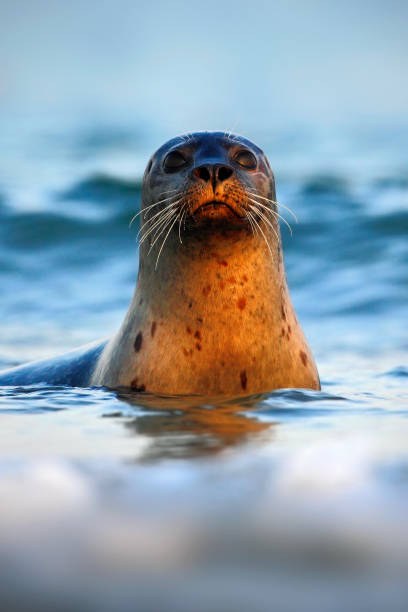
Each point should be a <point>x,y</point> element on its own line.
<point>208,271</point>
<point>214,317</point>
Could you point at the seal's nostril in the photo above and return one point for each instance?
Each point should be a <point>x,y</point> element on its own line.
<point>213,172</point>
<point>224,173</point>
<point>203,173</point>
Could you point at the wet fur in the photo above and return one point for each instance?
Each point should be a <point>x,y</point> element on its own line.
<point>217,299</point>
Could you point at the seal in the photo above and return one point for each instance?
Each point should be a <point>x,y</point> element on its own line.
<point>211,313</point>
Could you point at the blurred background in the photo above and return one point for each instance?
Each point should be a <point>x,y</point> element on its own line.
<point>184,66</point>
<point>116,502</point>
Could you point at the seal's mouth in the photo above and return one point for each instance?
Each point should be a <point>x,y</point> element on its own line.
<point>215,210</point>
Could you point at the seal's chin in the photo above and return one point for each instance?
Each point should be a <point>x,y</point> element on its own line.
<point>216,211</point>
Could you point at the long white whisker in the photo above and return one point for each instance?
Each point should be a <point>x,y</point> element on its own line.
<point>156,225</point>
<point>273,212</point>
<point>179,229</point>
<point>180,221</point>
<point>253,219</point>
<point>260,229</point>
<point>151,226</point>
<point>274,202</point>
<point>143,210</point>
<point>146,208</point>
<point>167,191</point>
<point>185,217</point>
<point>133,218</point>
<point>159,232</point>
<point>167,207</point>
<point>251,223</point>
<point>164,241</point>
<point>162,225</point>
<point>265,218</point>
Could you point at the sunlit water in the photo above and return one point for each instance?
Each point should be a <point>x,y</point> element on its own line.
<point>111,500</point>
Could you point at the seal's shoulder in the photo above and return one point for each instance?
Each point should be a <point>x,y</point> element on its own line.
<point>74,368</point>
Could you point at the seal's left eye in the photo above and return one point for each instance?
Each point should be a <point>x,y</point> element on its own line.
<point>246,159</point>
<point>174,161</point>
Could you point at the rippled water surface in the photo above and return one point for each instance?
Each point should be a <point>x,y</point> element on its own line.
<point>113,500</point>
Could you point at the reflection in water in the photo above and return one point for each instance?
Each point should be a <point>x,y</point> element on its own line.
<point>314,520</point>
<point>192,426</point>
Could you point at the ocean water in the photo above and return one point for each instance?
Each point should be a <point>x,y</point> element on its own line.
<point>293,499</point>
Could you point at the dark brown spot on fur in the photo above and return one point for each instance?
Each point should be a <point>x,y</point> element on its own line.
<point>283,332</point>
<point>136,387</point>
<point>153,329</point>
<point>244,379</point>
<point>198,346</point>
<point>199,319</point>
<point>189,330</point>
<point>303,357</point>
<point>197,335</point>
<point>138,342</point>
<point>245,278</point>
<point>241,303</point>
<point>206,290</point>
<point>185,351</point>
<point>289,329</point>
<point>190,305</point>
<point>222,284</point>
<point>222,262</point>
<point>283,313</point>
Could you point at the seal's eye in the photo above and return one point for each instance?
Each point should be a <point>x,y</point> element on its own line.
<point>246,159</point>
<point>174,161</point>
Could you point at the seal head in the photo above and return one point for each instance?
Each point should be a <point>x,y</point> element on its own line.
<point>205,178</point>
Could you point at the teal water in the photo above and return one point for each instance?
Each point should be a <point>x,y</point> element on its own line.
<point>110,501</point>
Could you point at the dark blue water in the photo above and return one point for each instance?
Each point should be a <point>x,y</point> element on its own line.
<point>297,496</point>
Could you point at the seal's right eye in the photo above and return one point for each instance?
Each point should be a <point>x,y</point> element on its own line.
<point>246,159</point>
<point>174,161</point>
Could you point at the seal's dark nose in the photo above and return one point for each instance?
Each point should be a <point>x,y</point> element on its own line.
<point>216,173</point>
